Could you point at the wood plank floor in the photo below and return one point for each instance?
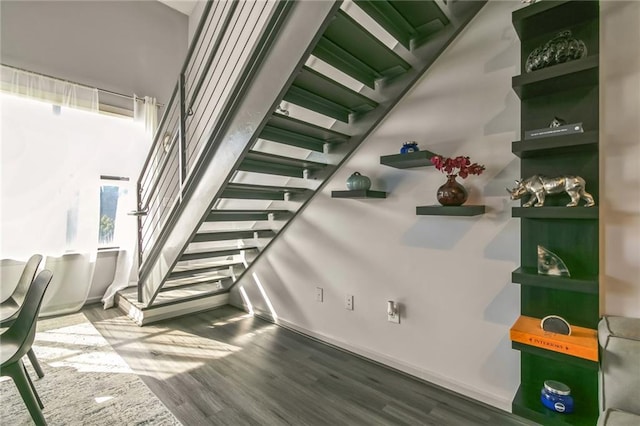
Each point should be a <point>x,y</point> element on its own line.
<point>224,367</point>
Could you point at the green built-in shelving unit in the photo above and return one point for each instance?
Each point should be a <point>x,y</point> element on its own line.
<point>570,91</point>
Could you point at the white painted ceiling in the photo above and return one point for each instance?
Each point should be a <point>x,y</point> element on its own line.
<point>184,6</point>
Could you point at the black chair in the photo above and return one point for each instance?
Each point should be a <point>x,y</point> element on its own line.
<point>17,341</point>
<point>10,308</point>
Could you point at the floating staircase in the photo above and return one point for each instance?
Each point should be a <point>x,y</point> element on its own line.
<point>323,76</point>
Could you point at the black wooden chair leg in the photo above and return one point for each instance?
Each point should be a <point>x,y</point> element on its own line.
<point>33,388</point>
<point>19,376</point>
<point>35,363</point>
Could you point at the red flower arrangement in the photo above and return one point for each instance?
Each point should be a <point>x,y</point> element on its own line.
<point>460,166</point>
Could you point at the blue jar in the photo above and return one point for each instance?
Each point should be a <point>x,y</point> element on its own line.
<point>556,396</point>
<point>408,147</point>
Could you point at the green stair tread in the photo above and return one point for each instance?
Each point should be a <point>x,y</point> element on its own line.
<point>206,254</point>
<point>244,215</point>
<point>171,285</point>
<point>329,93</point>
<point>192,271</point>
<point>260,162</point>
<point>170,298</point>
<point>406,21</point>
<point>232,235</point>
<point>260,192</point>
<point>298,133</point>
<point>349,47</point>
<point>283,161</point>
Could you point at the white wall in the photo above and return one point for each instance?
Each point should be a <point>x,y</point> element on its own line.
<point>124,46</point>
<point>620,157</point>
<point>451,275</point>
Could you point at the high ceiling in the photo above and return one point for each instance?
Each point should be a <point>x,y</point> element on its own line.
<point>184,6</point>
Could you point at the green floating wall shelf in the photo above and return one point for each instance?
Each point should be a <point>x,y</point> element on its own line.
<point>358,193</point>
<point>409,160</point>
<point>437,210</point>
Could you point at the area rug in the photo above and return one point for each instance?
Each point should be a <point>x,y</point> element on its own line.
<point>85,383</point>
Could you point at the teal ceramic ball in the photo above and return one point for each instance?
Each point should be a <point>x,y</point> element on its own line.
<point>358,182</point>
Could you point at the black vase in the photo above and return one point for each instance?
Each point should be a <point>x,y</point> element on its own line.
<point>452,193</point>
<point>562,48</point>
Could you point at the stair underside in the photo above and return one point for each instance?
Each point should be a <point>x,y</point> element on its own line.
<point>349,47</point>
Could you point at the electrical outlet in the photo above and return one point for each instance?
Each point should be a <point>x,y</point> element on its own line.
<point>318,294</point>
<point>393,312</point>
<point>349,302</point>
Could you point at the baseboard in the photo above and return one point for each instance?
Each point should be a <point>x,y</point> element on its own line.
<point>162,312</point>
<point>465,391</point>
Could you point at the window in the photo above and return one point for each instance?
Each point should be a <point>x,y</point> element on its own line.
<point>111,192</point>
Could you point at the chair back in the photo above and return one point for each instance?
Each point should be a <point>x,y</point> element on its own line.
<point>28,273</point>
<point>22,332</point>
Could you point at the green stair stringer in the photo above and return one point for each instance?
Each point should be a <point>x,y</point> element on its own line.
<point>423,56</point>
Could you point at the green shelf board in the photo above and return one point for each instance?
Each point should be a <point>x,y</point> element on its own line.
<point>436,210</point>
<point>526,403</point>
<point>409,160</point>
<point>578,362</point>
<point>556,145</point>
<point>552,16</point>
<point>358,193</point>
<point>550,80</point>
<point>530,277</point>
<point>560,212</point>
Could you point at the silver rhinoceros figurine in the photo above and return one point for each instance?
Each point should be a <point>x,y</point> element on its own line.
<point>540,186</point>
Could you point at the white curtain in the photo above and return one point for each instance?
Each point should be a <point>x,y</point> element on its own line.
<point>50,167</point>
<point>54,91</point>
<point>145,110</point>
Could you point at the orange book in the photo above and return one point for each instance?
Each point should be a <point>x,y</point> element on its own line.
<point>582,343</point>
